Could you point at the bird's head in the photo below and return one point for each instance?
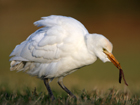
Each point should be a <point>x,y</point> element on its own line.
<point>102,48</point>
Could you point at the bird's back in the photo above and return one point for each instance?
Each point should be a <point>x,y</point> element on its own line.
<point>52,50</point>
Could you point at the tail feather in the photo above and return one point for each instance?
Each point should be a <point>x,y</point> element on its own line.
<point>17,65</point>
<point>32,68</point>
<point>27,66</point>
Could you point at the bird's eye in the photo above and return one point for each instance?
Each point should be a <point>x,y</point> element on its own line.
<point>104,49</point>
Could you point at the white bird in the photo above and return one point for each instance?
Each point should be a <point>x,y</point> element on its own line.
<point>59,48</point>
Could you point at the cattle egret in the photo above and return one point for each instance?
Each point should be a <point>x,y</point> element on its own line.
<point>59,48</point>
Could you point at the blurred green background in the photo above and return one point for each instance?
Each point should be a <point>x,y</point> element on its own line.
<point>118,20</point>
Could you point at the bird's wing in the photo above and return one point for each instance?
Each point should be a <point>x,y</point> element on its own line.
<point>59,37</point>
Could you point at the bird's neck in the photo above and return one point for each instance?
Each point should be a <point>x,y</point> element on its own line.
<point>90,44</point>
<point>87,56</point>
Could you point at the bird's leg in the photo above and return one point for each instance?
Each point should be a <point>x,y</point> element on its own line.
<point>46,82</point>
<point>60,82</point>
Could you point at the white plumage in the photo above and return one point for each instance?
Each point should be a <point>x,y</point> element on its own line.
<point>57,49</point>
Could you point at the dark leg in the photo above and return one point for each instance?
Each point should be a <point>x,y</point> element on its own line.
<point>60,82</point>
<point>48,88</point>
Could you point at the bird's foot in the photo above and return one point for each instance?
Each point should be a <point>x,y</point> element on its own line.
<point>74,97</point>
<point>52,98</point>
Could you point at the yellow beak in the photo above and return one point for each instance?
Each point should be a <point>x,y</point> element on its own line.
<point>117,64</point>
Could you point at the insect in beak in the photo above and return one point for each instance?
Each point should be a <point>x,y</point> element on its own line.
<point>117,64</point>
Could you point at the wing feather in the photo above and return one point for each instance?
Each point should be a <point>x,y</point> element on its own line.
<point>59,38</point>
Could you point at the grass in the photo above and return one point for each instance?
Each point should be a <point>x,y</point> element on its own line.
<point>94,97</point>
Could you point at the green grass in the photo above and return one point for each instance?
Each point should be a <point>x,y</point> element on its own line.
<point>94,97</point>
